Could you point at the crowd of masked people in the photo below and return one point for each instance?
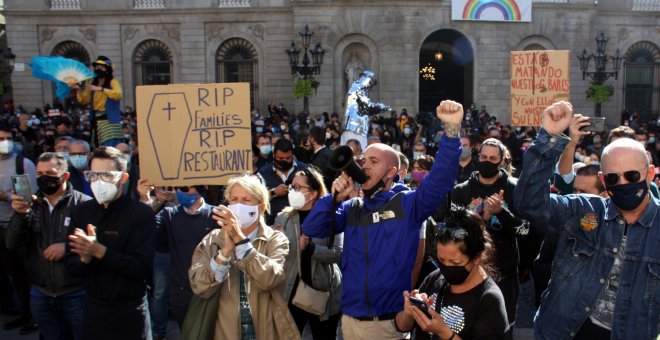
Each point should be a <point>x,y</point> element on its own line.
<point>455,212</point>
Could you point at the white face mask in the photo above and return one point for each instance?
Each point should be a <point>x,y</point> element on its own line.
<point>246,214</point>
<point>297,199</point>
<point>103,191</point>
<point>6,146</point>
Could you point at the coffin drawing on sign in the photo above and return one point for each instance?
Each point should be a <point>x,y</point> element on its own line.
<point>173,109</point>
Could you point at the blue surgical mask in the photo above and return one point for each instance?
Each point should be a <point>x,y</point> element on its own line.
<point>407,131</point>
<point>64,154</point>
<point>260,130</point>
<point>417,155</point>
<point>266,149</point>
<point>186,200</point>
<point>79,161</point>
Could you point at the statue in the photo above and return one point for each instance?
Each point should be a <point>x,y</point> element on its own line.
<point>359,107</point>
<point>354,68</point>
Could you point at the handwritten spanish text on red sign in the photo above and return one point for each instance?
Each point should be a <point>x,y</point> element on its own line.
<point>538,79</point>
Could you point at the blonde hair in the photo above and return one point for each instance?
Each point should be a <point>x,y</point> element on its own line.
<point>253,186</point>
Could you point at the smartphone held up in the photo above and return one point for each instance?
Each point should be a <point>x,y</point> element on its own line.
<point>22,187</point>
<point>596,124</point>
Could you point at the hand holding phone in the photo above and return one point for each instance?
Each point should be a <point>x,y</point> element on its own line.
<point>596,124</point>
<point>22,188</point>
<point>419,303</point>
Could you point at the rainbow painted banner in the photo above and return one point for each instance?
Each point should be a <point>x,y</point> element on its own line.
<point>492,10</point>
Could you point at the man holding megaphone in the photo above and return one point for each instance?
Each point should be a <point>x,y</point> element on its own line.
<point>381,230</point>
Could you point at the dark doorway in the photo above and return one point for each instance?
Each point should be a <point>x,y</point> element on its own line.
<point>449,54</point>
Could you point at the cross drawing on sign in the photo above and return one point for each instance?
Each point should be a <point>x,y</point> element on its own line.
<point>169,109</point>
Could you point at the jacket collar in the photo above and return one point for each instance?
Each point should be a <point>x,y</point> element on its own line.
<point>264,232</point>
<point>384,196</point>
<point>65,196</point>
<point>647,218</point>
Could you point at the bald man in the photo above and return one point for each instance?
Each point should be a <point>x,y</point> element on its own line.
<point>381,230</point>
<point>606,272</point>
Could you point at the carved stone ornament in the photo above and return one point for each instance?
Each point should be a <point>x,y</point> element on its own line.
<point>89,33</point>
<point>130,32</point>
<point>213,31</point>
<point>258,30</point>
<point>173,32</point>
<point>47,33</point>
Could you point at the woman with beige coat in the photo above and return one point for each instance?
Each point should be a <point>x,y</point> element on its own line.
<point>245,260</point>
<point>318,259</point>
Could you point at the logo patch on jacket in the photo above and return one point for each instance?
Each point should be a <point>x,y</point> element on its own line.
<point>385,215</point>
<point>589,222</point>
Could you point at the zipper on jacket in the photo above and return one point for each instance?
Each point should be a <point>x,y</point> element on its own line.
<point>366,272</point>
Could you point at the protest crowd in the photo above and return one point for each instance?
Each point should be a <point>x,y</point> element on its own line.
<point>456,212</point>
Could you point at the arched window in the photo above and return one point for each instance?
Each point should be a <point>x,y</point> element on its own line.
<point>534,47</point>
<point>153,63</point>
<point>236,62</point>
<point>642,79</point>
<point>72,50</point>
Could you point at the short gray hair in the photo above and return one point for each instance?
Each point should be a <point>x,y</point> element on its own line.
<point>83,143</point>
<point>66,138</point>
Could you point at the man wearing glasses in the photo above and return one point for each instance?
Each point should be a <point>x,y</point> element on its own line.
<point>111,246</point>
<point>606,272</point>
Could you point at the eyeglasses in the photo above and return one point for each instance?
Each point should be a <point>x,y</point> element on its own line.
<point>455,231</point>
<point>105,176</point>
<point>632,176</point>
<point>296,187</point>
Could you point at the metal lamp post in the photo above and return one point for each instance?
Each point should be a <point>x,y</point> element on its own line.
<point>600,75</point>
<point>305,70</point>
<point>10,58</point>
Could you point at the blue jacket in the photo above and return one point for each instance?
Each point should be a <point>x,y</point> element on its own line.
<point>589,230</point>
<point>381,236</point>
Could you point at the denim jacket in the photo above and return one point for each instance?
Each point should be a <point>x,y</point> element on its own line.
<point>589,231</point>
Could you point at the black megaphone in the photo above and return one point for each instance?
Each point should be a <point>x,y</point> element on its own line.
<point>342,160</point>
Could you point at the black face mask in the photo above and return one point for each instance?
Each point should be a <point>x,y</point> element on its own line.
<point>48,185</point>
<point>488,169</point>
<point>455,275</point>
<point>628,196</point>
<point>283,165</point>
<point>101,73</point>
<point>378,187</point>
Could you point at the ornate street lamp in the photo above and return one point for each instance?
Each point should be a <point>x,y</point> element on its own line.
<point>10,58</point>
<point>308,67</point>
<point>600,75</point>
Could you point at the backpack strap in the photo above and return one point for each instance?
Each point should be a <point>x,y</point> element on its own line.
<point>20,165</point>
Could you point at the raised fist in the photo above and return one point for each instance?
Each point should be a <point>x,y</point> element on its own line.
<point>450,112</point>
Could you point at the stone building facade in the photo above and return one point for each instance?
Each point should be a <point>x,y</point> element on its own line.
<point>203,41</point>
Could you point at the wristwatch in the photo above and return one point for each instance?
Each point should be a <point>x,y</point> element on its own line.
<point>243,241</point>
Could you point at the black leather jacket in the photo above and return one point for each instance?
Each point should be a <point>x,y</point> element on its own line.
<point>30,234</point>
